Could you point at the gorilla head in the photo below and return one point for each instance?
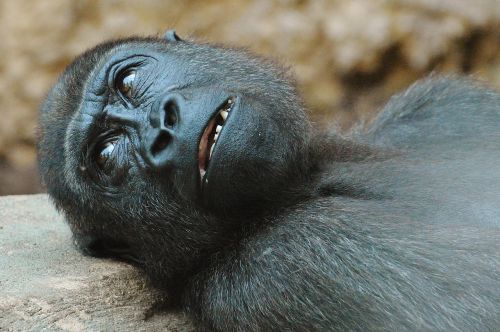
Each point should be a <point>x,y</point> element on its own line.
<point>156,116</point>
<point>137,134</point>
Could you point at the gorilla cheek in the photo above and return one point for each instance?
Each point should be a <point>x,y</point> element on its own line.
<point>244,162</point>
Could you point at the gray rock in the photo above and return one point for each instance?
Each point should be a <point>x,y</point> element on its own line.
<point>46,285</point>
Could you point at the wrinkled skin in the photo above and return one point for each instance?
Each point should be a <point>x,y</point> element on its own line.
<point>394,226</point>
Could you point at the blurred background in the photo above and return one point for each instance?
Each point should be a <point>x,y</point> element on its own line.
<point>348,56</point>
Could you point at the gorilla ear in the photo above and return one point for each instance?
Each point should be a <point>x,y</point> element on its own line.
<point>171,36</point>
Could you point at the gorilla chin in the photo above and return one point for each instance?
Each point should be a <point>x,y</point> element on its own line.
<point>198,164</point>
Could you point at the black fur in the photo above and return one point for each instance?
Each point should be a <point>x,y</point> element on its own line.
<point>394,226</point>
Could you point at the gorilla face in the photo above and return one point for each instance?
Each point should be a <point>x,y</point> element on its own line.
<point>142,128</point>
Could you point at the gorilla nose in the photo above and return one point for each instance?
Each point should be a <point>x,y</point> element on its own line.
<point>159,137</point>
<point>157,147</point>
<point>160,143</point>
<point>166,114</point>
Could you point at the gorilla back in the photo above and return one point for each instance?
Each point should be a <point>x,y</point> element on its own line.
<point>198,164</point>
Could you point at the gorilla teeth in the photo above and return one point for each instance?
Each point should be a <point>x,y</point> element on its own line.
<point>224,114</point>
<point>211,150</point>
<point>210,136</point>
<point>220,120</point>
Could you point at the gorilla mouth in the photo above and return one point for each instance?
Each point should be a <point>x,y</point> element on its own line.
<point>210,135</point>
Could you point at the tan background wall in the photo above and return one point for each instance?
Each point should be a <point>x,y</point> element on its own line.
<point>349,56</point>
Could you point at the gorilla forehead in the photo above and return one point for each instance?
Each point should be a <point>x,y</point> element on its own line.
<point>200,64</point>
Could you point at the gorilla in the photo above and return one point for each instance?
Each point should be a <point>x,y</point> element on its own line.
<point>198,164</point>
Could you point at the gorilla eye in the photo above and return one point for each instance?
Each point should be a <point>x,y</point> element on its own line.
<point>125,81</point>
<point>104,152</point>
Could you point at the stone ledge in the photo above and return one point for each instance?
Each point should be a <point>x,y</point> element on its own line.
<point>45,284</point>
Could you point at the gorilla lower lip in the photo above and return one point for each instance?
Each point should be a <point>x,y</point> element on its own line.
<point>211,135</point>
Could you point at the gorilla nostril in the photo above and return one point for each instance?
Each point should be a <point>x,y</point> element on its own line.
<point>170,118</point>
<point>160,143</point>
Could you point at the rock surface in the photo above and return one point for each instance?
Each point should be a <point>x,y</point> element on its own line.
<point>46,285</point>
